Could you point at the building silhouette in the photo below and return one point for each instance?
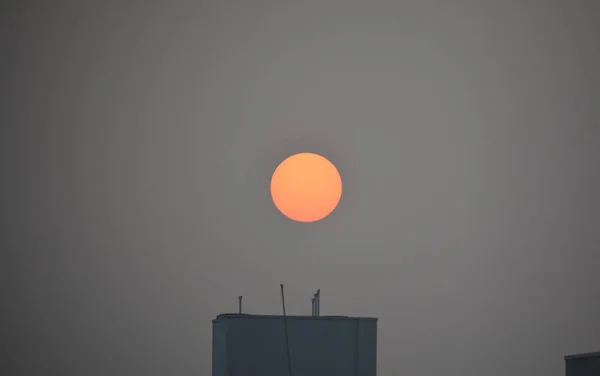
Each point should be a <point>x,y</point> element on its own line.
<point>255,345</point>
<point>587,364</point>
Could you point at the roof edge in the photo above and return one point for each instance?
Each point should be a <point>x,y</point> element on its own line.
<point>223,316</point>
<point>583,355</point>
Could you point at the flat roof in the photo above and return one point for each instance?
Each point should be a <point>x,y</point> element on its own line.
<point>226,316</point>
<point>583,355</point>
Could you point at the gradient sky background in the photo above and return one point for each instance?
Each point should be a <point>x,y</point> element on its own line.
<point>141,138</point>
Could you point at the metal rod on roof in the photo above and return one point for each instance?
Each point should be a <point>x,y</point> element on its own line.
<point>240,304</point>
<point>319,302</point>
<point>287,344</point>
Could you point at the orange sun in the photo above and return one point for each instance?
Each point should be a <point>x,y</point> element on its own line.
<point>306,187</point>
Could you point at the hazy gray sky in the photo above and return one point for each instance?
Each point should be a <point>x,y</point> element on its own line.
<point>141,138</point>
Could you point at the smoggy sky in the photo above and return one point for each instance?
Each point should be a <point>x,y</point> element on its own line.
<point>141,138</point>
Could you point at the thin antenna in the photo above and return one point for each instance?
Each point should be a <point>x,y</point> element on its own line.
<point>240,304</point>
<point>318,295</point>
<point>287,345</point>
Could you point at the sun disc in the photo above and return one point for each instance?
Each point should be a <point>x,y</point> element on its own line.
<point>306,187</point>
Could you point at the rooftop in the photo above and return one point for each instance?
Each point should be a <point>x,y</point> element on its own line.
<point>583,355</point>
<point>228,316</point>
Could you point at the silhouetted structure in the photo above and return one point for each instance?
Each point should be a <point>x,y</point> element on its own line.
<point>250,345</point>
<point>583,364</point>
